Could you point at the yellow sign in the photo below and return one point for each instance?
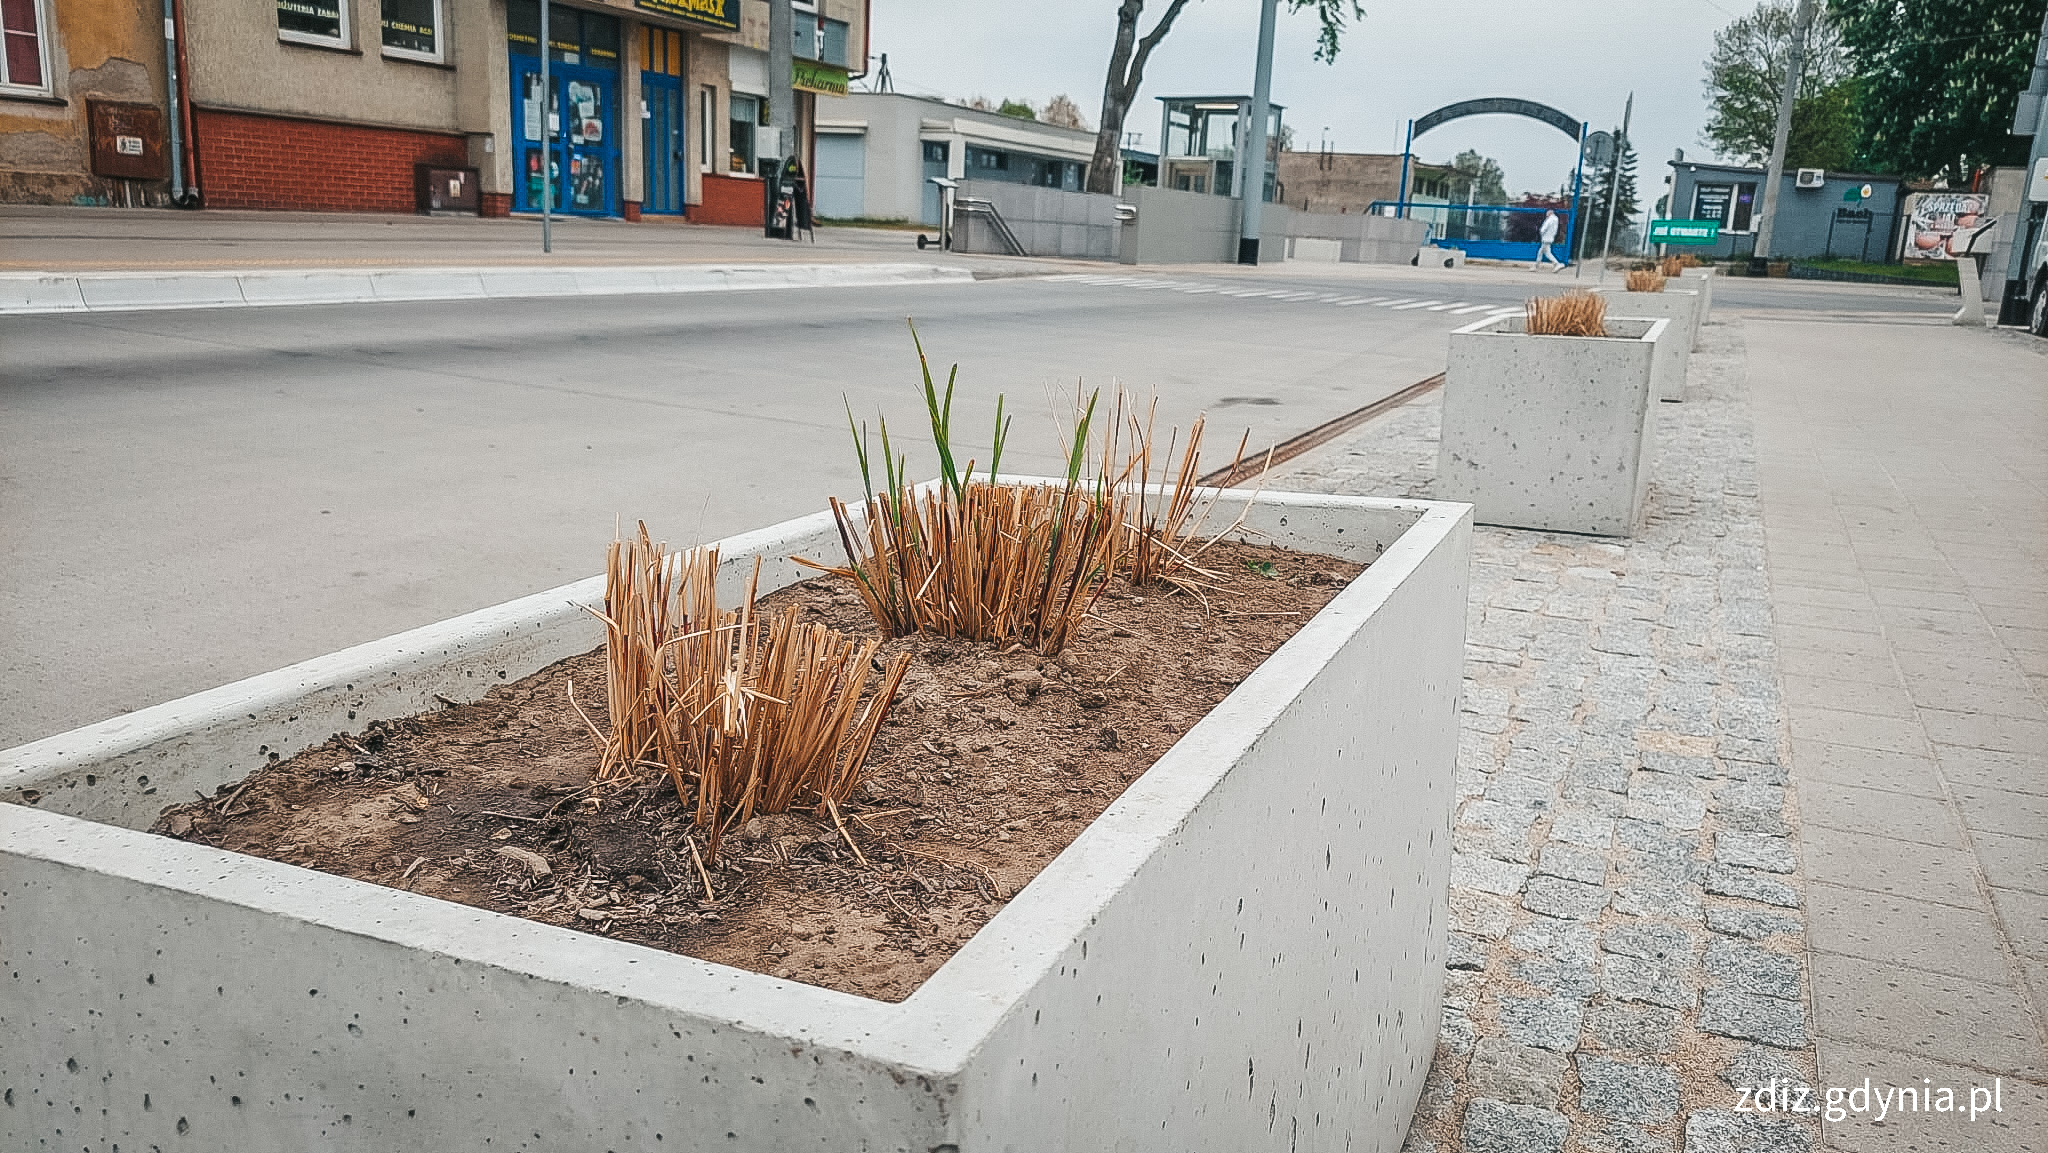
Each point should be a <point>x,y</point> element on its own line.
<point>723,14</point>
<point>811,76</point>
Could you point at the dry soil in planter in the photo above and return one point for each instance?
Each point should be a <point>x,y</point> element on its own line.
<point>991,763</point>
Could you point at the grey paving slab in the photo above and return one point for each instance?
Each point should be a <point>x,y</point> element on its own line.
<point>2025,917</point>
<point>1987,768</point>
<point>1988,1026</point>
<point>1883,813</point>
<point>1867,768</point>
<point>1863,730</point>
<point>1982,730</point>
<point>2013,862</point>
<point>1898,930</point>
<point>2003,811</point>
<point>1887,865</point>
<point>2018,1124</point>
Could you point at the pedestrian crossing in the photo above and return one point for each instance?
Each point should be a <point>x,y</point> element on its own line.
<point>1285,295</point>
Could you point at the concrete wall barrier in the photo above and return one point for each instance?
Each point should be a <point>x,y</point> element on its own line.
<point>1550,432</point>
<point>1366,238</point>
<point>1046,221</point>
<point>1174,227</point>
<point>1270,895</point>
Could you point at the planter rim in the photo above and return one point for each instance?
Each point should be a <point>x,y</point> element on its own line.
<point>937,1029</point>
<point>1489,326</point>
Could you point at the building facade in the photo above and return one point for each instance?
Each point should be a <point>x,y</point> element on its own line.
<point>1827,216</point>
<point>83,96</point>
<point>655,106</point>
<point>1342,183</point>
<point>877,153</point>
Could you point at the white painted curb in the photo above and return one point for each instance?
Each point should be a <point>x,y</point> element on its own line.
<point>38,294</point>
<point>1245,952</point>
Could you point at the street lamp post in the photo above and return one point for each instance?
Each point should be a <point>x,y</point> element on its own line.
<point>547,140</point>
<point>1253,179</point>
<point>1795,65</point>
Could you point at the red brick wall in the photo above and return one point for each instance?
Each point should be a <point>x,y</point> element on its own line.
<point>248,161</point>
<point>728,200</point>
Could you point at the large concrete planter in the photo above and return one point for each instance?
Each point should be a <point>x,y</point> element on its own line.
<point>1550,432</point>
<point>1705,284</point>
<point>1683,308</point>
<point>1244,952</point>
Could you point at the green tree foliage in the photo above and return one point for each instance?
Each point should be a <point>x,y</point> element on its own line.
<point>1746,75</point>
<point>1021,109</point>
<point>1938,80</point>
<point>1480,174</point>
<point>1595,202</point>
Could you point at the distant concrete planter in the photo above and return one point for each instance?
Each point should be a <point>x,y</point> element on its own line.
<point>1705,276</point>
<point>1246,951</point>
<point>1682,307</point>
<point>1550,432</point>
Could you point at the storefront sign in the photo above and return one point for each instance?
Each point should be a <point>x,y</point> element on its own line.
<point>811,76</point>
<point>1684,231</point>
<point>724,14</point>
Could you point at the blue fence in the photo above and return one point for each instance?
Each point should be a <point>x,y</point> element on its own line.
<point>1489,231</point>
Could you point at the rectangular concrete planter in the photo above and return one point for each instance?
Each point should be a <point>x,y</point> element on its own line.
<point>1682,307</point>
<point>1705,284</point>
<point>1550,432</point>
<point>1245,952</point>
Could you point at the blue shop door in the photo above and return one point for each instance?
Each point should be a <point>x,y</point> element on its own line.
<point>662,142</point>
<point>584,137</point>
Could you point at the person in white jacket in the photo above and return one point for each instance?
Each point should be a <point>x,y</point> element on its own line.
<point>1547,237</point>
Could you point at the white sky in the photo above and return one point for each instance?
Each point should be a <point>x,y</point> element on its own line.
<point>1405,59</point>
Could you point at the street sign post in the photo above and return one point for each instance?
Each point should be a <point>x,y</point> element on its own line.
<point>1685,231</point>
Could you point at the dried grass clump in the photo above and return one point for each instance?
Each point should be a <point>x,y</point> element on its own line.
<point>1671,265</point>
<point>753,717</point>
<point>1573,314</point>
<point>1646,280</point>
<point>1164,523</point>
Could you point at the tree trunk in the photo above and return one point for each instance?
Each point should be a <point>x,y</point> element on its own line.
<point>1126,73</point>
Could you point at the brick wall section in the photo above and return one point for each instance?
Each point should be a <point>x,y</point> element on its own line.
<point>728,200</point>
<point>249,161</point>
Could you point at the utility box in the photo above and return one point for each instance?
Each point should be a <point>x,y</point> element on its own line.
<point>446,190</point>
<point>127,140</point>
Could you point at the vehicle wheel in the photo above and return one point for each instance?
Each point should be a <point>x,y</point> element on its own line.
<point>2037,316</point>
<point>923,242</point>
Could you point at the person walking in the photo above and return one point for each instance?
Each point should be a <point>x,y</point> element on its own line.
<point>1547,237</point>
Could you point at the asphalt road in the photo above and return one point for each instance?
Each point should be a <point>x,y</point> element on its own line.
<point>188,498</point>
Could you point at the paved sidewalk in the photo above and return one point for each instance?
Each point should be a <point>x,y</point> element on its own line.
<point>1642,927</point>
<point>1905,485</point>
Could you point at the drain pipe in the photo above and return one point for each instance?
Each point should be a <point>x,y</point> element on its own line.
<point>184,190</point>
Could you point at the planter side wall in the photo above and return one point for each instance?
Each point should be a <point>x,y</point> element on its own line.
<point>1306,889</point>
<point>1682,308</point>
<point>217,1001</point>
<point>1548,432</point>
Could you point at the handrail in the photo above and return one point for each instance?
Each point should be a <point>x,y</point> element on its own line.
<point>995,216</point>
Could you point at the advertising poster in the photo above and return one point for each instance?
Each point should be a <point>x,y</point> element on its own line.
<point>1934,218</point>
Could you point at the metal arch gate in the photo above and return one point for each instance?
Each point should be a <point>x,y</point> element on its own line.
<point>1507,106</point>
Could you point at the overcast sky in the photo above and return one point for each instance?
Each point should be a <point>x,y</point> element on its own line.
<point>1580,56</point>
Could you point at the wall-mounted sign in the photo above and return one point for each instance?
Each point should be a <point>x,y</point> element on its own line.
<point>1684,231</point>
<point>721,14</point>
<point>811,76</point>
<point>1933,219</point>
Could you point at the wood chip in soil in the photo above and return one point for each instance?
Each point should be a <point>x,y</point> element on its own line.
<point>990,764</point>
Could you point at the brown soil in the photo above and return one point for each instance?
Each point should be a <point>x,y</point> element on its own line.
<point>989,765</point>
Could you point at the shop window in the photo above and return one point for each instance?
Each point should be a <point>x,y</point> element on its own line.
<point>740,123</point>
<point>21,65</point>
<point>412,29</point>
<point>661,51</point>
<point>707,115</point>
<point>323,22</point>
<point>1733,205</point>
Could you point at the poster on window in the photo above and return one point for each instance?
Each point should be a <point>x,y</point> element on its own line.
<point>584,125</point>
<point>318,19</point>
<point>533,179</point>
<point>586,183</point>
<point>529,108</point>
<point>1933,219</point>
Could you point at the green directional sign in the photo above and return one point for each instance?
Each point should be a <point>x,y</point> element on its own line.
<point>1684,231</point>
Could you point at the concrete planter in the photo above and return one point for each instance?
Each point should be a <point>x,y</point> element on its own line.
<point>1682,307</point>
<point>1550,432</point>
<point>1705,277</point>
<point>1244,952</point>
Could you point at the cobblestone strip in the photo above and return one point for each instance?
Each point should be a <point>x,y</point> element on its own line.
<point>1628,945</point>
